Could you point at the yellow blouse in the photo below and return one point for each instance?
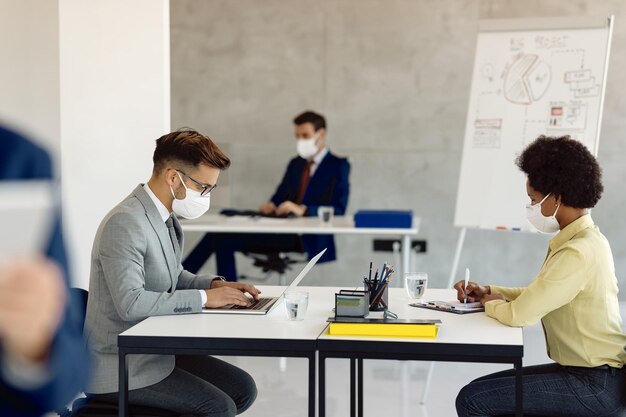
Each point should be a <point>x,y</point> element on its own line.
<point>575,297</point>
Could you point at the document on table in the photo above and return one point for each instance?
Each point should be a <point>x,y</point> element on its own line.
<point>450,306</point>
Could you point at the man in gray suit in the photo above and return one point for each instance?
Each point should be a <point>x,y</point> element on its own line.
<point>136,273</point>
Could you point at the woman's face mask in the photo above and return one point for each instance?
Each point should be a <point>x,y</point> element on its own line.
<point>542,223</point>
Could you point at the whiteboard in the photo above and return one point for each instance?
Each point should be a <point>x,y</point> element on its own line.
<point>530,77</point>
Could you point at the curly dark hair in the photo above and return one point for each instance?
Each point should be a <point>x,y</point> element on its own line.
<point>564,167</point>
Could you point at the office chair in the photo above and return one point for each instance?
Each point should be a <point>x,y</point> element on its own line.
<point>272,263</point>
<point>87,406</point>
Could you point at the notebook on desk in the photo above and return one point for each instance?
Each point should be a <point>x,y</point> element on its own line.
<point>265,304</point>
<point>455,307</point>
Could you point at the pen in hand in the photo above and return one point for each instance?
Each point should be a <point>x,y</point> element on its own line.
<point>467,277</point>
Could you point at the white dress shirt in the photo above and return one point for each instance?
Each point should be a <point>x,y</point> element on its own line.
<point>317,160</point>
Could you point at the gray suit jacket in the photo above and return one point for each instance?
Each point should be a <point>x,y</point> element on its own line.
<point>135,274</point>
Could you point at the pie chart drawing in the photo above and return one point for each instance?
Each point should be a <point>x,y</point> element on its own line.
<point>526,80</point>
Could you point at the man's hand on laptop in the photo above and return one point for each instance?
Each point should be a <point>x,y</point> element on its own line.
<point>224,293</point>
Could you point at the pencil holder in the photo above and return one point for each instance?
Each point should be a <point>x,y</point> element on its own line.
<point>379,300</point>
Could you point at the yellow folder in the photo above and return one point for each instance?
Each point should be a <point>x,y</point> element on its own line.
<point>383,329</point>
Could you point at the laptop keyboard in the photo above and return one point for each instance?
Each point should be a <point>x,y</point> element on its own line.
<point>257,305</point>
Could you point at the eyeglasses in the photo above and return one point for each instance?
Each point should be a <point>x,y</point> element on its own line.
<point>206,189</point>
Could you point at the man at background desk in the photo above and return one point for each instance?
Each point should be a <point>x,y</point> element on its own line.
<point>314,178</point>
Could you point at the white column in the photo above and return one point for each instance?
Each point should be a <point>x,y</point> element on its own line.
<point>29,74</point>
<point>115,101</point>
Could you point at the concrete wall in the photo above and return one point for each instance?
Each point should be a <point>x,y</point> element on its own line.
<point>393,79</point>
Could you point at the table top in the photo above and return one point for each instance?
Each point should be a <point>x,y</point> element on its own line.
<point>474,328</point>
<point>469,329</point>
<point>306,225</point>
<point>274,325</point>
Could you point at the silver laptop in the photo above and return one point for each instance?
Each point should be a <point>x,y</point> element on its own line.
<point>265,304</point>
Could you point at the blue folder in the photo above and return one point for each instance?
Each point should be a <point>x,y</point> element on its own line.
<point>384,218</point>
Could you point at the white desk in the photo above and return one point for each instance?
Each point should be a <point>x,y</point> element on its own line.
<point>463,338</point>
<point>341,225</point>
<point>225,334</point>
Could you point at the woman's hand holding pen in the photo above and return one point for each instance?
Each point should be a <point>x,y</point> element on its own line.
<point>474,291</point>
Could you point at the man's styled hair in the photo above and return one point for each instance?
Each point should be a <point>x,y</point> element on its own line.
<point>189,149</point>
<point>564,167</point>
<point>317,120</point>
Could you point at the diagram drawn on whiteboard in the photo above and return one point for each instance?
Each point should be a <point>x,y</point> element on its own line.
<point>527,79</point>
<point>540,82</point>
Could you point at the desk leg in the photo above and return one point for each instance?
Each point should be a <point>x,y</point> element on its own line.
<point>352,388</point>
<point>406,254</point>
<point>360,386</point>
<point>519,389</point>
<point>123,385</point>
<point>312,385</point>
<point>322,386</point>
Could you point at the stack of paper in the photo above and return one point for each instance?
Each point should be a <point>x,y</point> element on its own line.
<point>451,306</point>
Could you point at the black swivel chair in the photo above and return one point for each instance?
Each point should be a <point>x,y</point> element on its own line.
<point>88,407</point>
<point>273,262</point>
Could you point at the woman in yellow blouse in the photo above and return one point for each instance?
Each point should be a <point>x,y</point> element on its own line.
<point>574,295</point>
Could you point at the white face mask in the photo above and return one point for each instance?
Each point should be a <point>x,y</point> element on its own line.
<point>306,148</point>
<point>193,205</point>
<point>539,221</point>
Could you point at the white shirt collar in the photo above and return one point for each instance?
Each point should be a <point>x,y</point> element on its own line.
<point>163,211</point>
<point>317,159</point>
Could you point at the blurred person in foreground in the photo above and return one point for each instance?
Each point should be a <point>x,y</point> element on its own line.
<point>43,360</point>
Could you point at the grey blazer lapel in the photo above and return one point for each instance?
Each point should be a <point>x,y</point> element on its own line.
<point>161,230</point>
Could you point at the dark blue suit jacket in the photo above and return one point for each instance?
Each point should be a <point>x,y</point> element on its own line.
<point>329,186</point>
<point>68,361</point>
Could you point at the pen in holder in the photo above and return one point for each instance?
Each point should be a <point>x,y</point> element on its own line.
<point>379,300</point>
<point>377,288</point>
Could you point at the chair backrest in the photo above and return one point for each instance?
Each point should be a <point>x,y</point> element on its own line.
<point>78,299</point>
